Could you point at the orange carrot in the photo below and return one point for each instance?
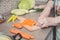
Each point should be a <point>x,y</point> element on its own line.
<point>24,35</point>
<point>29,22</point>
<point>17,25</point>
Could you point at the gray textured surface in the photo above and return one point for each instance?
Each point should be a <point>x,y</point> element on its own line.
<point>6,6</point>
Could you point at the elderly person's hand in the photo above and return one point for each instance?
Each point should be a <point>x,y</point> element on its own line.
<point>44,20</point>
<point>47,21</point>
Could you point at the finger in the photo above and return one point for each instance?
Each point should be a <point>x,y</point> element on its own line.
<point>44,25</point>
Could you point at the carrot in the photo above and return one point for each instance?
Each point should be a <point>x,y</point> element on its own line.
<point>28,22</point>
<point>17,25</point>
<point>24,35</point>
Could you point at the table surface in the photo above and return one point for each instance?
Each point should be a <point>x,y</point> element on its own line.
<point>5,8</point>
<point>39,34</point>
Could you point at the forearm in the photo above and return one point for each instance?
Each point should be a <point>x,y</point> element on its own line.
<point>47,9</point>
<point>46,12</point>
<point>57,20</point>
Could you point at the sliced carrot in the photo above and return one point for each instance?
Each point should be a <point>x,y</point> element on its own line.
<point>24,35</point>
<point>17,25</point>
<point>29,22</point>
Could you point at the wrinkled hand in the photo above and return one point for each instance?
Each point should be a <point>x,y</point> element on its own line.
<point>46,21</point>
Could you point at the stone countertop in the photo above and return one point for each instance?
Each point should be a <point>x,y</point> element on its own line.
<point>5,8</point>
<point>39,34</point>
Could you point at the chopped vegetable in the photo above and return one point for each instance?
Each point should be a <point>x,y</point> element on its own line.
<point>19,11</point>
<point>17,25</point>
<point>24,35</point>
<point>28,22</point>
<point>23,6</point>
<point>10,18</point>
<point>26,4</point>
<point>14,18</point>
<point>32,3</point>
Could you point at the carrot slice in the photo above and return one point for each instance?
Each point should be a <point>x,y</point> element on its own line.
<point>24,35</point>
<point>17,25</point>
<point>29,22</point>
